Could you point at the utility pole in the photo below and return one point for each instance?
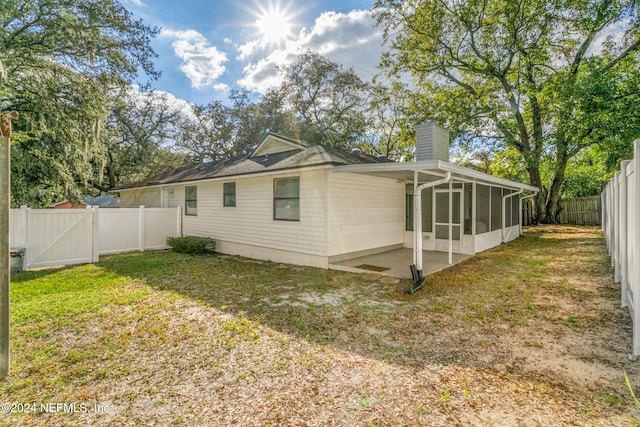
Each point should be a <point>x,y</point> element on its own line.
<point>5,202</point>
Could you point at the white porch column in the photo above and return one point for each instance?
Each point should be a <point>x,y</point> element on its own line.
<point>417,218</point>
<point>450,223</point>
<point>417,201</point>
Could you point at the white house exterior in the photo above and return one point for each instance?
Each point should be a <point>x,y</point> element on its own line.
<point>312,205</point>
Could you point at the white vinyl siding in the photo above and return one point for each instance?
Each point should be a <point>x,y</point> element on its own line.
<point>147,197</point>
<point>366,212</point>
<point>251,221</point>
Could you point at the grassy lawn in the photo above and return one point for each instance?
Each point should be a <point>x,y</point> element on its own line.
<point>530,333</point>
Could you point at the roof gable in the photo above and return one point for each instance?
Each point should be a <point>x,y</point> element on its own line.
<point>272,144</point>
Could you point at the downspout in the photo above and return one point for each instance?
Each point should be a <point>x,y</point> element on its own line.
<point>417,219</point>
<point>504,205</point>
<point>521,199</point>
<point>451,223</point>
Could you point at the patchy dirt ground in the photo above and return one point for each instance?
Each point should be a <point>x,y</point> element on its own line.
<point>528,334</point>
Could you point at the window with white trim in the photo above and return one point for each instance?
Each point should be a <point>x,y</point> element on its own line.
<point>191,200</point>
<point>286,199</point>
<point>229,197</point>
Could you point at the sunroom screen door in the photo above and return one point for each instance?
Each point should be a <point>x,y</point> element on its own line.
<point>441,220</point>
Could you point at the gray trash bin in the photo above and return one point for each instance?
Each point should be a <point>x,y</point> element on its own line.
<point>17,259</point>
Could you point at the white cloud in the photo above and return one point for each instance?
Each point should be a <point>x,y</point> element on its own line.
<point>138,3</point>
<point>140,97</point>
<point>202,63</point>
<point>248,49</point>
<point>348,39</point>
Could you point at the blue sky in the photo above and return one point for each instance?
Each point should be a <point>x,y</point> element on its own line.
<point>208,47</point>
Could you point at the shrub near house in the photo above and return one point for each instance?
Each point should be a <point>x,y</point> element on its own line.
<point>192,245</point>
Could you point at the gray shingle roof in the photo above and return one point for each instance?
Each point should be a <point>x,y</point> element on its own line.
<point>313,155</point>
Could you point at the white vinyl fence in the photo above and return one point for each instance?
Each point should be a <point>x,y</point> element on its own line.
<point>620,217</point>
<point>77,236</point>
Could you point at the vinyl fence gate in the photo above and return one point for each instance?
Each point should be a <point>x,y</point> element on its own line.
<point>76,236</point>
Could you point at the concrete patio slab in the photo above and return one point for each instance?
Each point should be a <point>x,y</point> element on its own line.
<point>398,261</point>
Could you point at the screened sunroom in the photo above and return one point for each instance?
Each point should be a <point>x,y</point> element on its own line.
<point>450,208</point>
<point>461,210</point>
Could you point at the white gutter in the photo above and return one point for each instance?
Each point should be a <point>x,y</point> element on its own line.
<point>434,167</point>
<point>483,178</point>
<point>451,222</point>
<point>417,217</point>
<point>520,207</point>
<point>504,205</point>
<point>226,178</point>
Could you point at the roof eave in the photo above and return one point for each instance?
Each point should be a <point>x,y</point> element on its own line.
<point>325,165</point>
<point>435,166</point>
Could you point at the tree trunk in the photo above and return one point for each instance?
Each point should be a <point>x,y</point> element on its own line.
<point>111,175</point>
<point>538,200</point>
<point>551,207</point>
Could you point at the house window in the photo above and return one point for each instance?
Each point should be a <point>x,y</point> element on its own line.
<point>286,199</point>
<point>191,200</point>
<point>229,194</point>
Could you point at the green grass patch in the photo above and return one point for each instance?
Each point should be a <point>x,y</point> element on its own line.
<point>130,328</point>
<point>68,292</point>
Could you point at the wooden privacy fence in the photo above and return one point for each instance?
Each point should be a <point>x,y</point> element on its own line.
<point>528,212</point>
<point>621,210</point>
<point>76,236</point>
<point>579,211</point>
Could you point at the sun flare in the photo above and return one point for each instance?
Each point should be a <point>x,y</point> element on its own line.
<point>274,25</point>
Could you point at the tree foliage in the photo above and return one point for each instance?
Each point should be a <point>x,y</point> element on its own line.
<point>209,133</point>
<point>318,101</point>
<point>535,75</point>
<point>62,59</point>
<point>138,137</point>
<point>329,101</point>
<point>389,129</point>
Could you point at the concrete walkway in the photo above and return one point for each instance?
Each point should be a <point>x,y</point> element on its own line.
<point>398,262</point>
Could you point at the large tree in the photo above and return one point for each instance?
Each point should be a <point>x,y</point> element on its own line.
<point>330,101</point>
<point>540,76</point>
<point>388,131</point>
<point>63,59</point>
<point>209,133</point>
<point>138,137</point>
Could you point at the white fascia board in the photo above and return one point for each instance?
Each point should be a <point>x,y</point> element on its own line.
<point>481,176</point>
<point>435,167</point>
<point>229,178</point>
<point>422,166</point>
